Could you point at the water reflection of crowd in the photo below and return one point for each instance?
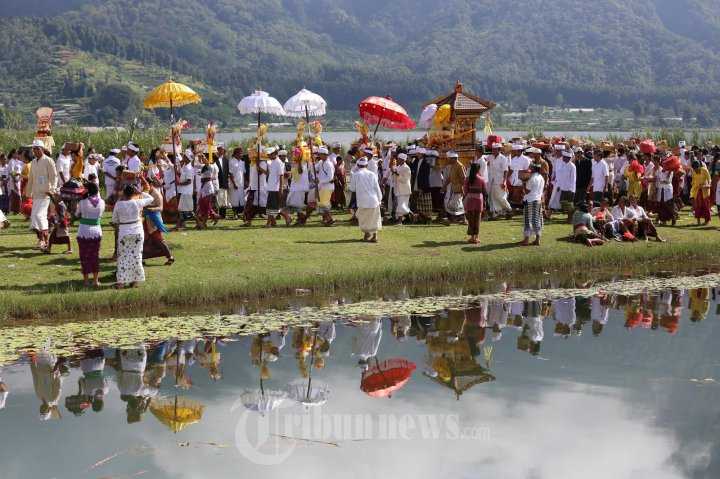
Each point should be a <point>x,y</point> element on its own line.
<point>459,347</point>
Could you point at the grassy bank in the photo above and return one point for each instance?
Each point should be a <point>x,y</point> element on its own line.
<point>230,263</point>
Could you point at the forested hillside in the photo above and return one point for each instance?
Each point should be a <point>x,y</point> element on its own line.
<point>640,54</point>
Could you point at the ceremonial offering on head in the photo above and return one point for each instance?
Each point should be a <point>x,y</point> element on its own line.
<point>44,127</point>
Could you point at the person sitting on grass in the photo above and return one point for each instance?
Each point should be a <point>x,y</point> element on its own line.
<point>607,225</point>
<point>583,230</point>
<point>59,224</point>
<point>646,228</point>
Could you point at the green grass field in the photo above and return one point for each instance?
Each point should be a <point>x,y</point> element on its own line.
<point>231,263</point>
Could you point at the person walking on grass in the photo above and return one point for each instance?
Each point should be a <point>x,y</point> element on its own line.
<point>700,192</point>
<point>474,191</point>
<point>532,206</point>
<point>42,181</point>
<point>89,235</point>
<point>126,215</point>
<point>364,183</point>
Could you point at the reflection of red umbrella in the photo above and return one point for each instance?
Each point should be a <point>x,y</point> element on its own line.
<point>378,111</point>
<point>384,378</point>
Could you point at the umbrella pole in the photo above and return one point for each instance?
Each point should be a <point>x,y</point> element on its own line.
<point>257,161</point>
<point>312,159</point>
<point>312,363</point>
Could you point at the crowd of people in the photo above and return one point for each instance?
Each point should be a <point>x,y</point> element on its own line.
<point>605,191</point>
<point>453,337</point>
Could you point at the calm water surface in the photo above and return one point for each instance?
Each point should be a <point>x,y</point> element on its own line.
<point>606,387</point>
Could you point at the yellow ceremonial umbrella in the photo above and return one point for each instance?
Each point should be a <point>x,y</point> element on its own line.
<point>177,414</point>
<point>170,95</point>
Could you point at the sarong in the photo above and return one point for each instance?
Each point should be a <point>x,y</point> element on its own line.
<point>403,205</point>
<point>237,197</point>
<point>155,246</point>
<point>454,203</point>
<point>533,218</point>
<point>554,202</point>
<point>296,201</point>
<point>325,201</point>
<point>273,203</point>
<point>206,208</point>
<point>498,200</point>
<point>473,221</point>
<point>186,203</point>
<point>567,201</point>
<point>129,259</point>
<point>667,209</point>
<point>39,215</point>
<point>701,206</point>
<point>89,254</point>
<point>369,220</point>
<point>423,204</point>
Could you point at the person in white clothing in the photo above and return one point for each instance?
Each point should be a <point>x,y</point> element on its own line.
<point>63,164</point>
<point>600,178</point>
<point>126,215</point>
<point>257,196</point>
<point>325,174</point>
<point>532,206</point>
<point>401,177</point>
<point>109,168</point>
<point>134,164</point>
<point>274,185</point>
<point>364,184</point>
<point>236,181</point>
<point>185,190</point>
<point>91,171</point>
<point>565,174</point>
<point>498,168</point>
<point>519,162</point>
<point>89,234</point>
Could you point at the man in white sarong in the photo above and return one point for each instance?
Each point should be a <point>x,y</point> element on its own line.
<point>236,181</point>
<point>41,181</point>
<point>498,166</point>
<point>364,184</point>
<point>402,176</point>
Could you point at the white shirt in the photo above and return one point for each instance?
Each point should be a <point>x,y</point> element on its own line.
<point>237,169</point>
<point>600,172</point>
<point>134,164</point>
<point>276,170</point>
<point>497,166</point>
<point>483,170</point>
<point>598,311</point>
<point>637,212</point>
<point>186,173</point>
<point>169,180</point>
<point>302,182</point>
<point>215,175</point>
<point>86,210</point>
<point>619,214</point>
<point>109,166</point>
<point>126,213</point>
<point>92,170</point>
<point>254,177</point>
<point>366,187</point>
<point>665,187</point>
<point>402,180</point>
<point>536,186</point>
<point>326,174</point>
<point>62,165</point>
<point>518,164</point>
<point>565,176</point>
<point>366,343</point>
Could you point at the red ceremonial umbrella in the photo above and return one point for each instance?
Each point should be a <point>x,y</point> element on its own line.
<point>384,378</point>
<point>378,111</point>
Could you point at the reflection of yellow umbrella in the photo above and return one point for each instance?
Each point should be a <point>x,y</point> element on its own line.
<point>177,414</point>
<point>171,94</point>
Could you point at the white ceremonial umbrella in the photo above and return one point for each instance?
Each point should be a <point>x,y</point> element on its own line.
<point>260,102</point>
<point>305,104</point>
<point>307,393</point>
<point>261,401</point>
<point>427,115</point>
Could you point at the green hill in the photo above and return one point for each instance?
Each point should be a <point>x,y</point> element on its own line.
<point>600,53</point>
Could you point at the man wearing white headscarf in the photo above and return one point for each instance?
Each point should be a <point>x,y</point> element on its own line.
<point>498,167</point>
<point>42,181</point>
<point>364,184</point>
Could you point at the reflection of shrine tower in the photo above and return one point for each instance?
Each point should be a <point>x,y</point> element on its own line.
<point>452,351</point>
<point>466,109</point>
